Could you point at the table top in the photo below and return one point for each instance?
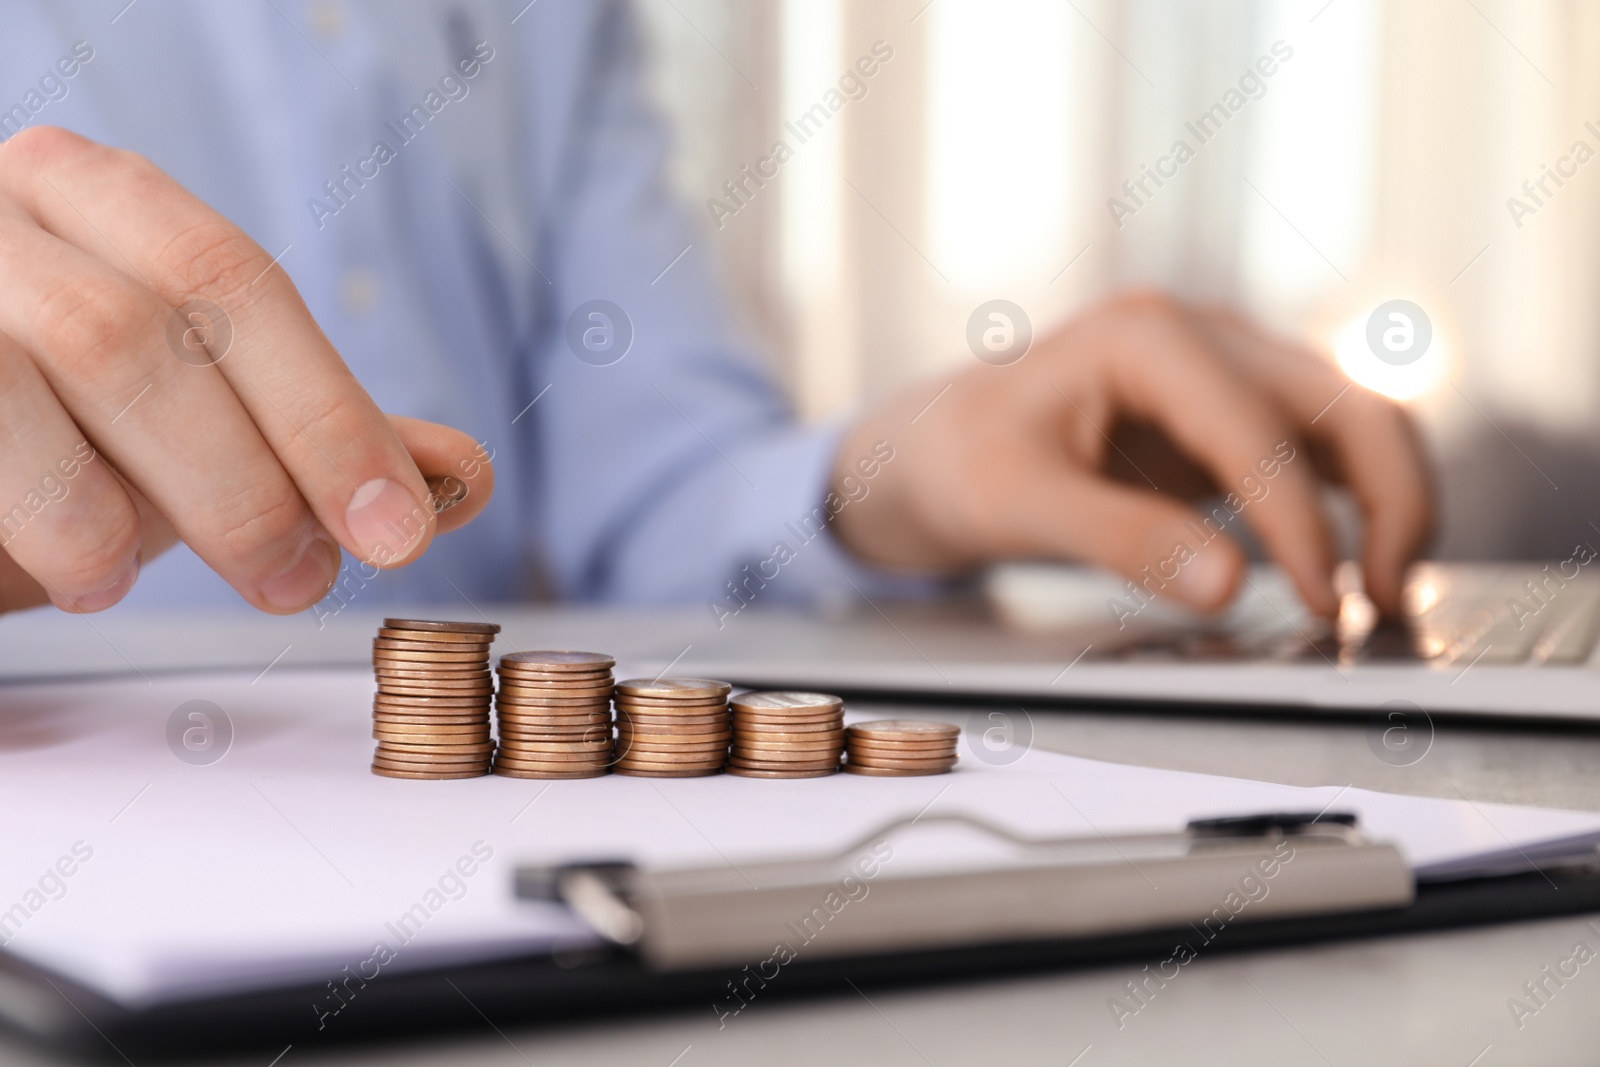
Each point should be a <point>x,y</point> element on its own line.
<point>1445,998</point>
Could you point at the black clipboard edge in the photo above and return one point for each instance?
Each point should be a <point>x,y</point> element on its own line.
<point>600,983</point>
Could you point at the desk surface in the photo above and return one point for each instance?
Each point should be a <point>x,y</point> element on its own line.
<point>1437,998</point>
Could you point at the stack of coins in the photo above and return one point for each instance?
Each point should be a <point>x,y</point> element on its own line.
<point>786,735</point>
<point>900,748</point>
<point>553,715</point>
<point>431,712</point>
<point>672,727</point>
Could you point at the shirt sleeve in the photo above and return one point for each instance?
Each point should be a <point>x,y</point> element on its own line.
<point>668,466</point>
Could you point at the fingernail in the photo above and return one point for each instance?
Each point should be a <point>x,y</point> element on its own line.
<point>306,580</point>
<point>109,594</point>
<point>385,521</point>
<point>1206,581</point>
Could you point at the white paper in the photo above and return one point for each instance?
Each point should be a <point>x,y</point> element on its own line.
<point>287,860</point>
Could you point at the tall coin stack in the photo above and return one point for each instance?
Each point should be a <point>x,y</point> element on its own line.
<point>901,748</point>
<point>553,715</point>
<point>431,711</point>
<point>786,735</point>
<point>672,727</point>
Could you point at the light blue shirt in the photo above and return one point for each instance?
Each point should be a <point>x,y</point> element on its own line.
<point>443,229</point>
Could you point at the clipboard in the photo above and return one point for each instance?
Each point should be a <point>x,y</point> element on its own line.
<point>680,937</point>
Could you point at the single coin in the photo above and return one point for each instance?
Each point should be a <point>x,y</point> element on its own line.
<point>450,770</point>
<point>889,772</point>
<point>391,758</point>
<point>675,688</point>
<point>903,764</point>
<point>786,701</point>
<point>393,644</point>
<point>412,706</point>
<point>905,730</point>
<point>464,729</point>
<point>767,720</point>
<point>783,765</point>
<point>467,680</point>
<point>660,705</point>
<point>749,772</point>
<point>867,741</point>
<point>552,680</point>
<point>783,751</point>
<point>648,718</point>
<point>558,660</point>
<point>543,719</point>
<point>591,735</point>
<point>515,762</point>
<point>829,727</point>
<point>465,687</point>
<point>575,745</point>
<point>794,737</point>
<point>484,747</point>
<point>389,734</point>
<point>662,772</point>
<point>521,726</point>
<point>566,696</point>
<point>555,678</point>
<point>632,759</point>
<point>448,627</point>
<point>386,657</point>
<point>686,729</point>
<point>389,633</point>
<point>641,754</point>
<point>409,692</point>
<point>505,771</point>
<point>390,772</point>
<point>436,719</point>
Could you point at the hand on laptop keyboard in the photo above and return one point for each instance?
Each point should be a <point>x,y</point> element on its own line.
<point>1092,446</point>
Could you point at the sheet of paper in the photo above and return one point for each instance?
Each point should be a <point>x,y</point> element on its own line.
<point>150,879</point>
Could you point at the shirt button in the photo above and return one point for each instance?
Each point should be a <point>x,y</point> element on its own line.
<point>326,18</point>
<point>359,291</point>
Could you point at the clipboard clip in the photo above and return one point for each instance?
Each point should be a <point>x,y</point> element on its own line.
<point>1052,887</point>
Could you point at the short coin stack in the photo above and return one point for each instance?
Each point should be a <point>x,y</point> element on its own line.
<point>672,727</point>
<point>786,735</point>
<point>553,715</point>
<point>899,748</point>
<point>431,712</point>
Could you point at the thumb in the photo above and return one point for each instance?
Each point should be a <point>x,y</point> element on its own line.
<point>1159,544</point>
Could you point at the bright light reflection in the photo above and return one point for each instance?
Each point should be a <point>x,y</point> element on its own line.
<point>1403,382</point>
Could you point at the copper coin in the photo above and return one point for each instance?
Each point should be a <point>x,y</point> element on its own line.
<point>448,627</point>
<point>413,706</point>
<point>391,772</point>
<point>783,702</point>
<point>903,764</point>
<point>391,733</point>
<point>651,759</point>
<point>642,754</point>
<point>902,750</point>
<point>514,700</point>
<point>675,688</point>
<point>672,730</point>
<point>749,772</point>
<point>452,669</point>
<point>567,766</point>
<point>416,659</point>
<point>437,719</point>
<point>554,661</point>
<point>888,772</point>
<point>782,765</point>
<point>415,755</point>
<point>650,718</point>
<point>905,730</point>
<point>464,685</point>
<point>506,771</point>
<point>432,728</point>
<point>390,633</point>
<point>587,718</point>
<point>788,727</point>
<point>556,681</point>
<point>576,745</point>
<point>668,707</point>
<point>591,735</point>
<point>662,772</point>
<point>392,644</point>
<point>564,696</point>
<point>441,750</point>
<point>768,720</point>
<point>599,726</point>
<point>418,760</point>
<point>787,751</point>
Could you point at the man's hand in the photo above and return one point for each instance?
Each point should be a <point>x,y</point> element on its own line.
<point>1085,449</point>
<point>127,422</point>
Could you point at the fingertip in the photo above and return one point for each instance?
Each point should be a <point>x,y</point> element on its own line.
<point>1210,578</point>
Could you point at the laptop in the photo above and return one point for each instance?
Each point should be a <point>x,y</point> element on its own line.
<point>1497,640</point>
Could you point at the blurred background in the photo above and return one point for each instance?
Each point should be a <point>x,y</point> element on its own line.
<point>1379,160</point>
